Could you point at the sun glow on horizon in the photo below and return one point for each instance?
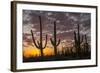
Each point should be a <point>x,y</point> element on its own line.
<point>31,51</point>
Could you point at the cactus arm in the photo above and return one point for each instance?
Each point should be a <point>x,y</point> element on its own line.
<point>34,39</point>
<point>40,32</point>
<point>81,39</point>
<point>85,38</point>
<point>51,41</point>
<point>75,37</point>
<point>55,33</point>
<point>58,42</point>
<point>45,42</point>
<point>78,34</point>
<point>38,44</point>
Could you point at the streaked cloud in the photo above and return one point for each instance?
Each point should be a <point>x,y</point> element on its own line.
<point>66,24</point>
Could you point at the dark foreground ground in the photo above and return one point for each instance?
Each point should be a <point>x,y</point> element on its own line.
<point>58,58</point>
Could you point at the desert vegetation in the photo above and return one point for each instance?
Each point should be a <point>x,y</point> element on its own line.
<point>80,48</point>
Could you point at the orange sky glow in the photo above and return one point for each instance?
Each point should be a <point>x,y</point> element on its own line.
<point>31,51</point>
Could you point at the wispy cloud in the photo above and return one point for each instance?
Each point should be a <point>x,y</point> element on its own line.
<point>66,23</point>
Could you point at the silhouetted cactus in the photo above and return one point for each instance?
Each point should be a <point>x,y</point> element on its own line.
<point>54,41</point>
<point>86,45</point>
<point>78,40</point>
<point>39,44</point>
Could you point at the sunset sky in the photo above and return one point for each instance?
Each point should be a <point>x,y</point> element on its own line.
<point>66,25</point>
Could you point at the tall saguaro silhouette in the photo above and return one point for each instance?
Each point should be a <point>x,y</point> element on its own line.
<point>78,40</point>
<point>39,44</point>
<point>54,40</point>
<point>86,45</point>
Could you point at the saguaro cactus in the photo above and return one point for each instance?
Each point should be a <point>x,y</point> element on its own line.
<point>78,40</point>
<point>39,44</point>
<point>54,41</point>
<point>86,45</point>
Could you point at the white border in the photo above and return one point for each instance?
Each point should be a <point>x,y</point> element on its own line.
<point>34,65</point>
